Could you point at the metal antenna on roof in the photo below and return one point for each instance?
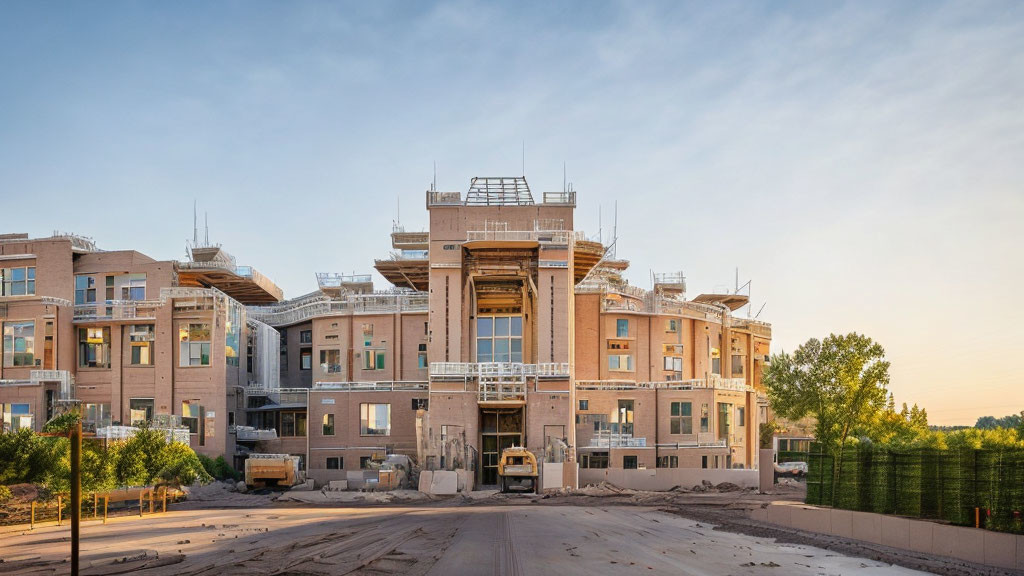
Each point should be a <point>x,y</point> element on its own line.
<point>564,189</point>
<point>195,224</point>
<point>433,184</point>
<point>600,231</point>
<point>524,158</point>
<point>615,232</point>
<point>206,221</point>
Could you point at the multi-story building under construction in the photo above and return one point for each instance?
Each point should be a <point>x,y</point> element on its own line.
<point>505,326</point>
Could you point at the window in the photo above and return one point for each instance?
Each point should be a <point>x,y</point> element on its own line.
<point>420,404</point>
<point>626,417</point>
<point>141,338</point>
<point>594,460</point>
<point>741,416</point>
<point>421,356</point>
<point>335,463</point>
<point>195,344</point>
<point>704,462</point>
<point>306,359</point>
<point>233,333</point>
<point>109,289</point>
<point>622,328</point>
<point>499,339</point>
<point>94,347</point>
<point>704,417</point>
<point>668,462</point>
<point>284,350</point>
<point>673,364</point>
<point>133,288</point>
<point>629,462</point>
<point>19,344</point>
<point>724,420</point>
<point>18,281</point>
<point>364,462</point>
<point>673,325</point>
<point>716,361</point>
<point>140,410</point>
<point>305,337</point>
<point>328,429</point>
<point>293,424</point>
<point>373,359</point>
<point>85,290</point>
<point>620,363</point>
<point>680,418</point>
<point>95,416</point>
<point>584,405</point>
<point>737,365</point>
<point>192,416</point>
<point>375,419</point>
<point>330,361</point>
<point>367,335</point>
<point>16,416</point>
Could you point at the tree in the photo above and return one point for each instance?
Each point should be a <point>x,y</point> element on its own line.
<point>840,380</point>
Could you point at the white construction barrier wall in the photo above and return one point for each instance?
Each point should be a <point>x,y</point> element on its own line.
<point>661,479</point>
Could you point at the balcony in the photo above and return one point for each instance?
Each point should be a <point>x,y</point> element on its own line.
<point>37,377</point>
<point>117,310</point>
<point>566,198</point>
<point>435,198</point>
<point>713,383</point>
<point>398,386</point>
<point>250,434</point>
<point>471,370</point>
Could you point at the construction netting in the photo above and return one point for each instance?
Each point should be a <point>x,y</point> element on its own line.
<point>962,486</point>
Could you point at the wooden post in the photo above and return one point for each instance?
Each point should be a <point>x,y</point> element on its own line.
<point>142,500</point>
<point>95,505</point>
<point>32,518</point>
<point>165,499</point>
<point>151,501</point>
<point>76,494</point>
<point>106,501</point>
<point>60,502</point>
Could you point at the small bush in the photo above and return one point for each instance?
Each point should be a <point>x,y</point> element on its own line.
<point>5,494</point>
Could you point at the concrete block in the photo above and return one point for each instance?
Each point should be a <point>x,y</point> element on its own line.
<point>759,515</point>
<point>781,514</point>
<point>810,519</point>
<point>970,545</point>
<point>867,527</point>
<point>1000,549</point>
<point>896,532</point>
<point>465,480</point>
<point>337,485</point>
<point>944,539</point>
<point>841,523</point>
<point>444,482</point>
<point>920,537</point>
<point>552,475</point>
<point>426,477</point>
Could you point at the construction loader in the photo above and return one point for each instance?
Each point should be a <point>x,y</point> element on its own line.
<point>517,470</point>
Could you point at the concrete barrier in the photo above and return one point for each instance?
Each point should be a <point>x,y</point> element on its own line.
<point>661,479</point>
<point>997,549</point>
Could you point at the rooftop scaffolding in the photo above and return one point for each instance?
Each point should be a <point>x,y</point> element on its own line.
<point>499,191</point>
<point>212,267</point>
<point>319,304</point>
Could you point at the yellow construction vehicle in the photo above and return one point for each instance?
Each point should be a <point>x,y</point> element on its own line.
<point>517,470</point>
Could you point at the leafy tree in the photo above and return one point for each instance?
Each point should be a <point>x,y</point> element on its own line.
<point>768,431</point>
<point>906,428</point>
<point>840,380</point>
<point>24,457</point>
<point>987,439</point>
<point>991,422</point>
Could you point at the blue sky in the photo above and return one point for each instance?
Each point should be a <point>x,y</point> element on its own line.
<point>861,162</point>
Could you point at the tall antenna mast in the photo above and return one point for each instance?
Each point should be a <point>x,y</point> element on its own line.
<point>206,222</point>
<point>524,158</point>
<point>433,185</point>
<point>564,189</point>
<point>195,224</point>
<point>615,232</point>
<point>600,231</point>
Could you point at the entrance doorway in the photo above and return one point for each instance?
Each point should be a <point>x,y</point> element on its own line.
<point>500,428</point>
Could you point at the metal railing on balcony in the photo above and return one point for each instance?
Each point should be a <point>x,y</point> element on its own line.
<point>608,439</point>
<point>317,304</point>
<point>501,390</point>
<point>64,378</point>
<point>250,434</point>
<point>388,386</point>
<point>114,310</point>
<point>469,370</point>
<point>717,383</point>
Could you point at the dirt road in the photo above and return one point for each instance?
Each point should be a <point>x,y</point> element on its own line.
<point>423,539</point>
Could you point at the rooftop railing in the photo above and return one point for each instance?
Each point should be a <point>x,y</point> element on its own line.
<point>566,197</point>
<point>714,383</point>
<point>435,198</point>
<point>317,304</point>
<point>468,370</point>
<point>552,236</point>
<point>37,377</point>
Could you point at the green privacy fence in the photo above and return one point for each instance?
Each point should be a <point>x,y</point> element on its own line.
<point>924,483</point>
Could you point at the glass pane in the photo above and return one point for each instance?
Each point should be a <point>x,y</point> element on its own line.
<point>517,325</point>
<point>483,350</point>
<point>501,350</point>
<point>675,409</point>
<point>501,326</point>
<point>484,326</point>
<point>517,350</point>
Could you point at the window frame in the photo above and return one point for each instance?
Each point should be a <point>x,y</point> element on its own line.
<point>141,339</point>
<point>327,428</point>
<point>677,418</point>
<point>622,327</point>
<point>10,344</point>
<point>89,348</point>
<point>10,281</point>
<point>185,342</point>
<point>364,419</point>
